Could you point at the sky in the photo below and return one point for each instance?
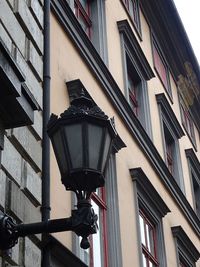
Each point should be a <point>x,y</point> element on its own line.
<point>190,16</point>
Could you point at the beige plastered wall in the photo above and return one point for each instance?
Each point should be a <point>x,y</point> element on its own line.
<point>67,65</point>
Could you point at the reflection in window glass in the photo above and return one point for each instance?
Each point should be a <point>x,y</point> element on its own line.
<point>148,239</point>
<point>82,12</point>
<point>96,241</point>
<point>142,232</point>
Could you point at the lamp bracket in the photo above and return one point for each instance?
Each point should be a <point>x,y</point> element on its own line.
<point>8,238</point>
<point>83,222</point>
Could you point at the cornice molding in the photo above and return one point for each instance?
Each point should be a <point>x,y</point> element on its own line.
<point>125,29</point>
<point>185,242</point>
<point>169,114</point>
<point>144,183</point>
<point>99,70</point>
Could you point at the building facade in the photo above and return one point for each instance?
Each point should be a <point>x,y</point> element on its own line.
<point>133,59</point>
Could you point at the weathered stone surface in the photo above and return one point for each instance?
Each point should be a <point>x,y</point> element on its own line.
<point>2,132</point>
<point>8,19</point>
<point>12,256</point>
<point>29,145</point>
<point>21,206</point>
<point>2,188</point>
<point>11,161</point>
<point>31,81</point>
<point>32,257</point>
<point>5,38</point>
<point>32,183</point>
<point>41,1</point>
<point>37,10</point>
<point>11,2</point>
<point>24,15</point>
<point>35,61</point>
<point>37,126</point>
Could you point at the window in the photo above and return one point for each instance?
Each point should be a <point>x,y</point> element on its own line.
<point>171,132</point>
<point>91,16</point>
<point>136,91</point>
<point>132,7</point>
<point>148,239</point>
<point>182,264</point>
<point>83,12</point>
<point>194,169</point>
<point>170,155</point>
<point>151,210</point>
<point>96,255</point>
<point>187,253</point>
<point>196,193</point>
<point>187,121</point>
<point>136,73</point>
<point>133,83</point>
<point>161,67</point>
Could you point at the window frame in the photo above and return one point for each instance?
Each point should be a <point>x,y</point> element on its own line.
<point>80,11</point>
<point>186,252</point>
<point>156,47</point>
<point>145,250</point>
<point>135,20</point>
<point>186,119</point>
<point>150,202</point>
<point>134,61</point>
<point>170,124</point>
<point>98,34</point>
<point>194,173</point>
<point>132,94</point>
<point>100,201</point>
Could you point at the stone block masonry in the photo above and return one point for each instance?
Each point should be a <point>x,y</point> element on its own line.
<point>21,31</point>
<point>2,189</point>
<point>20,206</point>
<point>29,24</point>
<point>11,161</point>
<point>8,19</point>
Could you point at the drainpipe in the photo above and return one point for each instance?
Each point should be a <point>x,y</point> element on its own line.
<point>45,139</point>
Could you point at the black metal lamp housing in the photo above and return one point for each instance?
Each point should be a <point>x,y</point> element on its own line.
<point>81,139</point>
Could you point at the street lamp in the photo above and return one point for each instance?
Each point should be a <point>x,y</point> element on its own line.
<point>82,138</point>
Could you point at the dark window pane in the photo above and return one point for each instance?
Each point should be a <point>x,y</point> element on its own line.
<point>95,139</point>
<point>57,143</point>
<point>83,14</point>
<point>160,67</point>
<point>75,144</point>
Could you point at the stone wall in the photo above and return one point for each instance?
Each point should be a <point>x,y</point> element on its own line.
<point>21,31</point>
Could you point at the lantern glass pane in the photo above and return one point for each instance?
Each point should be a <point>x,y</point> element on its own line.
<point>94,141</point>
<point>75,144</point>
<point>106,149</point>
<point>59,151</point>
